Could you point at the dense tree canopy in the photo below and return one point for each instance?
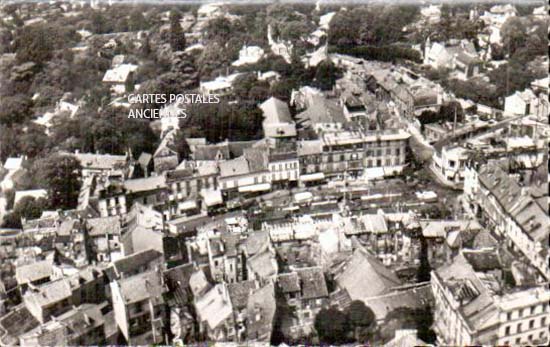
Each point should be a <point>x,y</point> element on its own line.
<point>355,323</point>
<point>372,26</point>
<point>332,326</point>
<point>60,175</point>
<point>218,122</point>
<point>177,36</point>
<point>28,208</point>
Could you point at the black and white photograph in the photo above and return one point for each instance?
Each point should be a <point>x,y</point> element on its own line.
<point>278,173</point>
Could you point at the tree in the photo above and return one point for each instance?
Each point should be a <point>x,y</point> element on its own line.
<point>361,320</point>
<point>15,109</point>
<point>137,21</point>
<point>420,319</point>
<point>331,326</point>
<point>177,36</point>
<point>33,43</point>
<point>326,75</point>
<point>219,29</point>
<point>28,208</point>
<point>513,34</point>
<point>60,175</point>
<point>359,315</point>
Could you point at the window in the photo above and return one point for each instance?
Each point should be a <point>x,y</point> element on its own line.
<point>397,151</point>
<point>519,328</point>
<point>507,331</point>
<point>518,341</point>
<point>388,151</point>
<point>543,321</point>
<point>531,324</point>
<point>509,316</point>
<point>378,152</point>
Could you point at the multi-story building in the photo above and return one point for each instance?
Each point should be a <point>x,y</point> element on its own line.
<point>186,184</point>
<point>501,202</point>
<point>57,297</point>
<point>223,257</point>
<point>246,174</point>
<point>474,308</point>
<point>215,314</point>
<point>284,169</point>
<point>358,152</point>
<point>81,326</point>
<point>310,155</point>
<point>139,307</point>
<point>305,290</point>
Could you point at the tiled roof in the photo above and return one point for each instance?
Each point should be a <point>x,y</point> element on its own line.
<point>312,283</point>
<point>323,111</point>
<point>364,276</point>
<point>240,292</point>
<point>145,184</point>
<point>263,264</point>
<point>101,161</point>
<point>35,271</point>
<point>50,293</point>
<point>261,312</point>
<point>214,307</point>
<point>477,306</point>
<point>136,288</point>
<point>288,282</point>
<point>275,111</point>
<point>135,261</point>
<point>104,226</point>
<point>516,201</point>
<point>234,167</point>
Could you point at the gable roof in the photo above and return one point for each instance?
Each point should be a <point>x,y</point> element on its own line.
<point>147,285</point>
<point>240,292</point>
<point>103,226</point>
<point>261,312</point>
<point>365,276</point>
<point>214,307</point>
<point>322,110</point>
<point>101,161</point>
<point>135,261</point>
<point>263,264</point>
<point>275,111</point>
<point>234,167</point>
<point>477,306</point>
<point>145,184</point>
<point>34,271</point>
<point>49,293</point>
<point>312,283</point>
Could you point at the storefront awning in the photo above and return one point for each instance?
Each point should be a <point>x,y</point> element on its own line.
<point>312,177</point>
<point>187,205</point>
<point>212,197</point>
<point>374,173</point>
<point>255,188</point>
